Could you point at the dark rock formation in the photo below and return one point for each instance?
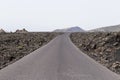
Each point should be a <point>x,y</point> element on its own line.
<point>21,31</point>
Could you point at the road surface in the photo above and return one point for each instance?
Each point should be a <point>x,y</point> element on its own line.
<point>58,60</point>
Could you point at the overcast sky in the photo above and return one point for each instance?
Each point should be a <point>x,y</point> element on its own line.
<point>47,15</point>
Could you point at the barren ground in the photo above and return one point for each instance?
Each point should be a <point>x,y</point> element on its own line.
<point>14,46</point>
<point>103,47</point>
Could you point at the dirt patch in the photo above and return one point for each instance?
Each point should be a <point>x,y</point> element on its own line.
<point>102,46</point>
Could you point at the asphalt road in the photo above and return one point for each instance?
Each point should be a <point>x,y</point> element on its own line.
<point>58,60</point>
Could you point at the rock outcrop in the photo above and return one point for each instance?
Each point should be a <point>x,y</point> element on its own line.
<point>21,31</point>
<point>2,31</point>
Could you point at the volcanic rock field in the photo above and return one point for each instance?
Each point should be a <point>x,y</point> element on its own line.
<point>14,46</point>
<point>104,47</point>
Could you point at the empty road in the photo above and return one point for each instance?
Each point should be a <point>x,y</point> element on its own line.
<point>60,59</point>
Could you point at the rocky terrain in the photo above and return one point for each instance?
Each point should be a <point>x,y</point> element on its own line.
<point>14,46</point>
<point>104,47</point>
<point>21,31</point>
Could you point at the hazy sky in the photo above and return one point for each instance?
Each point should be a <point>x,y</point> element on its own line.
<point>45,15</point>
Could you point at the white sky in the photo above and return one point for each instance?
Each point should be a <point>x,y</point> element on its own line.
<point>47,15</point>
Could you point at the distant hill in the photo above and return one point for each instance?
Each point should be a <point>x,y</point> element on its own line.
<point>71,29</point>
<point>115,28</point>
<point>21,31</point>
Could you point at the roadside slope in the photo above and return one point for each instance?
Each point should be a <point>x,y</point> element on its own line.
<point>14,46</point>
<point>104,47</point>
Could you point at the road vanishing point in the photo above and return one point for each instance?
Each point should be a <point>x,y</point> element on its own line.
<point>60,59</point>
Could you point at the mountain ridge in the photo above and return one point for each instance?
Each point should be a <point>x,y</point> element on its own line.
<point>71,29</point>
<point>113,28</point>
